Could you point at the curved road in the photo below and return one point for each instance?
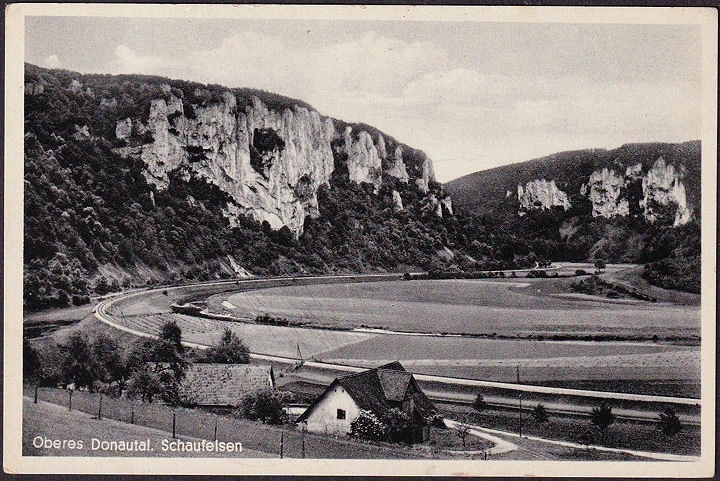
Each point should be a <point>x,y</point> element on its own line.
<point>102,313</point>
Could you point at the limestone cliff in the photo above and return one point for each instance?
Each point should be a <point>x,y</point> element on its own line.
<point>663,185</point>
<point>270,162</point>
<point>541,194</point>
<point>604,192</point>
<point>618,190</point>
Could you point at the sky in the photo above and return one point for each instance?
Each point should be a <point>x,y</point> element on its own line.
<point>472,95</point>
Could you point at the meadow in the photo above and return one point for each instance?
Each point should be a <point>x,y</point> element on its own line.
<point>516,308</point>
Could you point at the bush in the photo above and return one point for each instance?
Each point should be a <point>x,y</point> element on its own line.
<point>536,274</point>
<point>479,404</point>
<point>80,300</point>
<point>602,416</point>
<point>266,405</point>
<point>31,362</point>
<point>540,414</point>
<point>581,272</point>
<point>669,422</point>
<point>368,426</point>
<point>230,350</point>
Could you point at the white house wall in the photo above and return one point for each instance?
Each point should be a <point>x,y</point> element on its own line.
<point>323,418</point>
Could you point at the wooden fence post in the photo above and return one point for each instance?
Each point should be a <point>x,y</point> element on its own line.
<point>70,402</point>
<point>132,415</point>
<point>216,424</point>
<point>173,433</point>
<point>36,390</point>
<point>303,442</point>
<point>282,442</point>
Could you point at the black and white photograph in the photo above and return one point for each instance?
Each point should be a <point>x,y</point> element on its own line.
<point>274,239</point>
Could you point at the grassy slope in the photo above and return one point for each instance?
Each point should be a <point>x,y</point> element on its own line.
<point>56,422</point>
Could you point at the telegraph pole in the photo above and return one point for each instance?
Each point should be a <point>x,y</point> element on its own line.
<point>520,414</point>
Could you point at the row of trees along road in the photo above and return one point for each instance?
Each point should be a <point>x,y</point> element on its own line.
<point>601,418</point>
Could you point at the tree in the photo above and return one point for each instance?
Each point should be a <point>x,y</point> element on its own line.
<point>540,414</point>
<point>462,431</point>
<point>479,404</point>
<point>230,350</point>
<point>31,362</point>
<point>669,422</point>
<point>157,366</point>
<point>602,416</point>
<point>77,365</point>
<point>109,364</point>
<point>266,405</point>
<point>599,266</point>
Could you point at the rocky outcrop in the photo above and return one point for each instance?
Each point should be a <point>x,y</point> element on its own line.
<point>541,194</point>
<point>271,163</point>
<point>426,174</point>
<point>123,129</point>
<point>604,189</point>
<point>439,206</point>
<point>662,186</point>
<point>364,162</point>
<point>446,204</point>
<point>397,201</point>
<point>398,169</point>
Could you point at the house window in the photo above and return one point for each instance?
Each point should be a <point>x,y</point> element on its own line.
<point>341,414</point>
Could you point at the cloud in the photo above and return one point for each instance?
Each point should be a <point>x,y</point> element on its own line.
<point>51,61</point>
<point>416,92</point>
<point>374,62</point>
<point>368,62</point>
<point>128,61</point>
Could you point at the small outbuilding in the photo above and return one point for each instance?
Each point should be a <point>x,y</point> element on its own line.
<point>224,385</point>
<point>377,391</point>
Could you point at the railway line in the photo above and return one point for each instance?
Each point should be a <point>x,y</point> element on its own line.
<point>635,407</point>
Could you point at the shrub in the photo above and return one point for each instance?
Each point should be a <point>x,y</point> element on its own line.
<point>599,266</point>
<point>230,350</point>
<point>540,414</point>
<point>537,274</point>
<point>31,362</point>
<point>479,404</point>
<point>602,416</point>
<point>669,422</point>
<point>436,420</point>
<point>368,426</point>
<point>266,405</point>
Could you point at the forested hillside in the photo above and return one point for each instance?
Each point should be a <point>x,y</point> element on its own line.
<point>94,223</point>
<point>639,203</point>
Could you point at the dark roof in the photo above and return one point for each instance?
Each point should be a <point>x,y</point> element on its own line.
<point>395,366</point>
<point>224,384</point>
<point>379,390</point>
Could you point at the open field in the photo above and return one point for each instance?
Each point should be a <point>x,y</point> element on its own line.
<point>497,360</point>
<point>260,339</point>
<point>515,308</point>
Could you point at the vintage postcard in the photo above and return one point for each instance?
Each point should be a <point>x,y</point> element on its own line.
<point>381,240</point>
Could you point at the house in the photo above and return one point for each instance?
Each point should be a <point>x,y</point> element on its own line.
<point>377,391</point>
<point>224,385</point>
